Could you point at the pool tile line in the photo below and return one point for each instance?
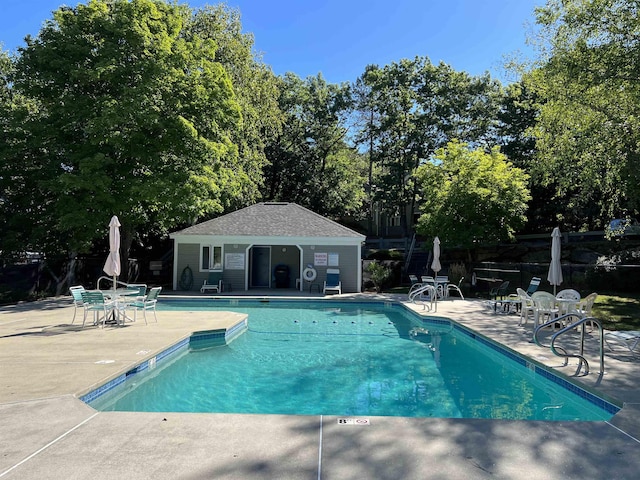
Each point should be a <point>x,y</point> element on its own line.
<point>234,302</point>
<point>538,369</point>
<point>235,330</point>
<point>223,334</point>
<point>240,327</point>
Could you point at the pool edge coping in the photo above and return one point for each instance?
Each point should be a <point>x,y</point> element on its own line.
<point>596,398</point>
<point>150,361</point>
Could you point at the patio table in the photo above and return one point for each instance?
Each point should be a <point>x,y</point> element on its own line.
<point>119,296</point>
<point>566,305</point>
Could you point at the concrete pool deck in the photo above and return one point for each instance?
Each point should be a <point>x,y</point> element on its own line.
<point>45,363</point>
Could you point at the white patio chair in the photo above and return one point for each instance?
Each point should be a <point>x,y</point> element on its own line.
<point>527,307</point>
<point>568,300</point>
<point>544,308</point>
<point>456,288</point>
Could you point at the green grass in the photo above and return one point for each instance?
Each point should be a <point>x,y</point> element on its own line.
<point>618,312</point>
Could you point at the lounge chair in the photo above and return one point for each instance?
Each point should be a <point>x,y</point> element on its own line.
<point>441,285</point>
<point>498,295</point>
<point>332,283</point>
<point>521,300</point>
<point>214,282</point>
<point>146,303</point>
<point>533,286</point>
<point>94,301</point>
<point>76,293</point>
<point>500,292</point>
<point>628,338</point>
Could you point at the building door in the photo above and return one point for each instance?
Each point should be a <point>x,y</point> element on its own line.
<point>260,267</point>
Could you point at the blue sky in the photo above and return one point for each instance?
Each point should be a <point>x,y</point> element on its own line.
<point>340,37</point>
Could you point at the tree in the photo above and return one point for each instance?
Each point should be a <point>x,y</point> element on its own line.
<point>588,134</point>
<point>129,116</point>
<point>471,196</point>
<point>518,118</point>
<point>21,213</point>
<point>256,91</point>
<point>364,121</point>
<point>409,109</point>
<point>310,162</point>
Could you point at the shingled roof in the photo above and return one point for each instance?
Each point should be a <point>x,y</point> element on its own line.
<point>272,219</point>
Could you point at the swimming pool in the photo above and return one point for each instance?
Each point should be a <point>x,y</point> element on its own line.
<point>349,359</point>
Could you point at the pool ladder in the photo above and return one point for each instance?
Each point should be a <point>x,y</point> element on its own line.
<point>119,284</point>
<point>561,352</point>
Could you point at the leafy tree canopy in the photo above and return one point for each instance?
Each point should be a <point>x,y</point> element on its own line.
<point>588,134</point>
<point>129,114</point>
<point>471,196</point>
<point>410,108</point>
<point>310,161</point>
<point>256,90</point>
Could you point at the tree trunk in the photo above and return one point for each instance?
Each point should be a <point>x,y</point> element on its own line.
<point>64,282</point>
<point>126,239</point>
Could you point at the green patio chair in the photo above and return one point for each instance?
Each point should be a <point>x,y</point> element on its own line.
<point>76,294</point>
<point>147,303</point>
<point>94,301</point>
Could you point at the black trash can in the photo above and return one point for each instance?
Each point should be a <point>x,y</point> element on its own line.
<point>281,274</point>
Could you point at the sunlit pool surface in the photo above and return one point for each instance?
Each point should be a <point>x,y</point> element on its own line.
<point>346,360</point>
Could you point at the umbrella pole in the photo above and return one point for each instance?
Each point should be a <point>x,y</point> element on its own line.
<point>435,290</point>
<point>113,317</point>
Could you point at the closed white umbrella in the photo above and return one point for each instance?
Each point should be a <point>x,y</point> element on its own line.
<point>112,265</point>
<point>555,267</point>
<point>436,267</point>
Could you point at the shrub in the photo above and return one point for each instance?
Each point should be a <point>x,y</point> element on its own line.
<point>379,274</point>
<point>386,255</point>
<point>457,271</point>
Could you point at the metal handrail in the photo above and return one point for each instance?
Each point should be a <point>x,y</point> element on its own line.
<point>580,356</point>
<point>420,290</point>
<point>548,324</point>
<point>110,279</point>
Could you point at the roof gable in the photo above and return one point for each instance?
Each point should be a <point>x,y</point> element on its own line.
<point>271,219</point>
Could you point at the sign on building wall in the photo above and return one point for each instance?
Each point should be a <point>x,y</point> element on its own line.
<point>320,259</point>
<point>334,260</point>
<point>234,261</point>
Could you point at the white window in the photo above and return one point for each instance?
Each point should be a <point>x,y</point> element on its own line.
<point>211,258</point>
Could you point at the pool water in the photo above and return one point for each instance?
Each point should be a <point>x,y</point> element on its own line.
<point>347,360</point>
